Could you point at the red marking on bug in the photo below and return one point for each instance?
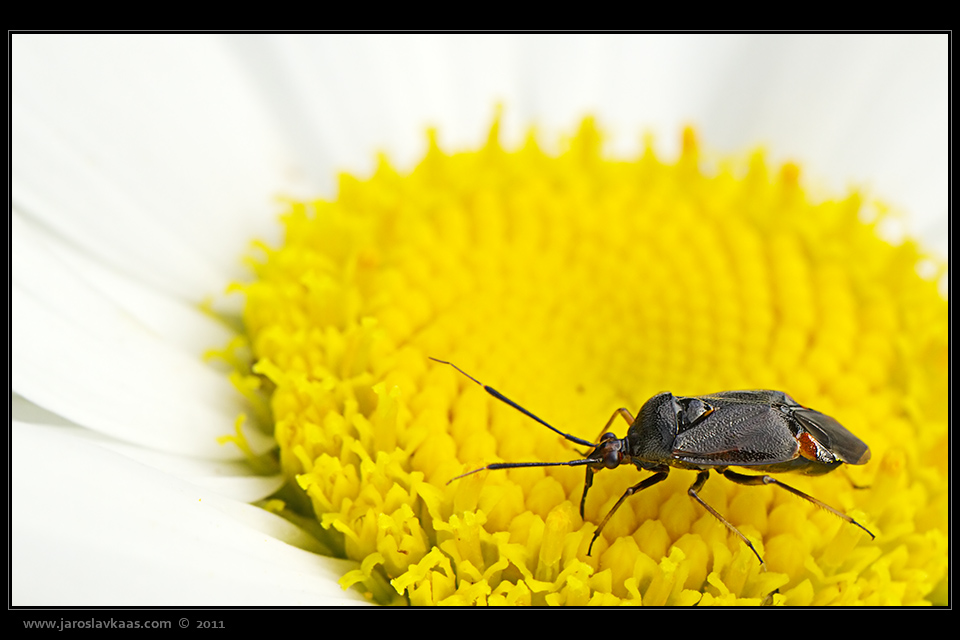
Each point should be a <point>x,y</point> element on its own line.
<point>808,446</point>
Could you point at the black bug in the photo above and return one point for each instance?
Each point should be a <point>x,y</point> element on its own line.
<point>766,431</point>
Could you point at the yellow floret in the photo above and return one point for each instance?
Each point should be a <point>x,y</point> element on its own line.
<point>576,284</point>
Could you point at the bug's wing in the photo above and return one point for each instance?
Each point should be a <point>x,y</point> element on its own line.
<point>737,433</point>
<point>754,396</point>
<point>833,436</point>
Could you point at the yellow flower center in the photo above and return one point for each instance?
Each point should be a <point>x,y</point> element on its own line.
<point>575,285</point>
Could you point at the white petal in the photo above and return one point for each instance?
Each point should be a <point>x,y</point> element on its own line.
<point>143,165</point>
<point>855,110</point>
<point>149,153</point>
<point>229,478</point>
<point>94,528</point>
<point>79,354</point>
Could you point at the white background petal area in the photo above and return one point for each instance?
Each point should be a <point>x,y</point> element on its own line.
<point>143,165</point>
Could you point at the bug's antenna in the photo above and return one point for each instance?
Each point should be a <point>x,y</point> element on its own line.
<point>521,465</point>
<point>502,398</point>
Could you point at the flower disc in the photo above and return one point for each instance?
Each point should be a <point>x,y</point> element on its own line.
<point>576,284</point>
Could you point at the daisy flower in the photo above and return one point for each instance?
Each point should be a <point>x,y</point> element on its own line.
<point>576,263</point>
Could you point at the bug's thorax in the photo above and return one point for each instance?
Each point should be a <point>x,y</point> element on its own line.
<point>651,436</point>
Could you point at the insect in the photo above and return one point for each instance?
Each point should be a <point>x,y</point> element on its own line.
<point>765,431</point>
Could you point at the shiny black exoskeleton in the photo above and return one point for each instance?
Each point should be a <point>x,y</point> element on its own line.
<point>762,430</point>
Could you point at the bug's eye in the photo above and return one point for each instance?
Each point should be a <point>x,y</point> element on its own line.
<point>611,458</point>
<point>692,411</point>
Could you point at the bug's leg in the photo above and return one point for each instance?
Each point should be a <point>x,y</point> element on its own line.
<point>740,478</point>
<point>659,476</point>
<point>621,412</point>
<point>692,491</point>
<point>588,481</point>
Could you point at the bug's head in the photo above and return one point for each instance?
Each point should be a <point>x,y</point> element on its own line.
<point>610,452</point>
